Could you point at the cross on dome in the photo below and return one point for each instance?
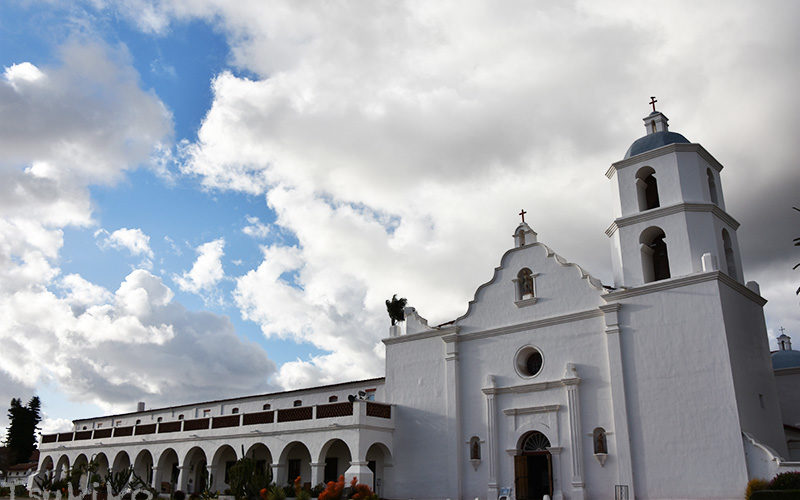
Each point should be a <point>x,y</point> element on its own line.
<point>653,101</point>
<point>522,214</point>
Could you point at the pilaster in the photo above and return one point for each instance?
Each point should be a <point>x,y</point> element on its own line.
<point>571,382</point>
<point>491,437</point>
<point>454,406</point>
<point>621,434</point>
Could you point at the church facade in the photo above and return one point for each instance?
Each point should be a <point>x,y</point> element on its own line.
<point>660,385</point>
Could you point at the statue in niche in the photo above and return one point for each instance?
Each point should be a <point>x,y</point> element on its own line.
<point>525,282</point>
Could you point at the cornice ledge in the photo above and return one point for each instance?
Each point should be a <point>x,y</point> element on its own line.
<point>669,148</point>
<point>658,286</point>
<point>758,299</point>
<point>421,335</point>
<point>655,213</point>
<point>534,387</point>
<point>530,325</point>
<point>532,409</point>
<point>691,279</point>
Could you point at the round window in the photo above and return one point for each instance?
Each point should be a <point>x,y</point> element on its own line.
<point>529,361</point>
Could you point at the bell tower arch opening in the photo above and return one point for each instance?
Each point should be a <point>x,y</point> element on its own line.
<point>647,188</point>
<point>655,261</point>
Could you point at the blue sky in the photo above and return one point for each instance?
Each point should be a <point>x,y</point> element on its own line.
<point>231,190</point>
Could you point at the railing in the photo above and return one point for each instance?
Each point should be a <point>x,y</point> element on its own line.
<point>262,417</point>
<point>323,411</point>
<point>145,429</point>
<point>227,421</point>
<point>379,410</point>
<point>169,426</point>
<point>123,431</point>
<point>83,435</point>
<point>294,414</point>
<point>335,410</point>
<point>101,433</point>
<point>197,424</point>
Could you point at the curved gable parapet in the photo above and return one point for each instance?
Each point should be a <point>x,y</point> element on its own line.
<point>593,284</point>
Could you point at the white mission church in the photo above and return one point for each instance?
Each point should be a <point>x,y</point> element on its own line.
<point>660,386</point>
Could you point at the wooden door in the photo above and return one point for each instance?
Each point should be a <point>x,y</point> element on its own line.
<point>521,477</point>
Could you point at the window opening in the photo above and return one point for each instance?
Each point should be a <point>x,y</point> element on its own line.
<point>730,261</point>
<point>712,187</point>
<point>333,399</point>
<point>235,411</point>
<point>297,402</point>
<point>266,406</point>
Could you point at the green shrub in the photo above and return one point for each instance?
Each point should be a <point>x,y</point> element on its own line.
<point>5,491</point>
<point>288,491</point>
<point>785,481</point>
<point>20,491</point>
<point>275,492</point>
<point>755,485</point>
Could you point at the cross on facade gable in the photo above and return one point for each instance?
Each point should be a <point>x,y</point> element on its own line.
<point>653,101</point>
<point>522,214</point>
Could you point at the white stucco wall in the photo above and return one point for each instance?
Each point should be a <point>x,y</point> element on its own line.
<point>684,424</point>
<point>787,382</point>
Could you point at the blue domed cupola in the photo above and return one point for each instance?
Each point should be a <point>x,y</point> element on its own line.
<point>658,135</point>
<point>785,356</point>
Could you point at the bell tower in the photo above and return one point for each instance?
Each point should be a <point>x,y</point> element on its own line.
<point>670,217</point>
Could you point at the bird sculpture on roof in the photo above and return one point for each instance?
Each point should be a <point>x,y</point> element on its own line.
<point>396,307</point>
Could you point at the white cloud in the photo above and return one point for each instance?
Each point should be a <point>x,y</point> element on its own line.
<point>53,425</point>
<point>255,228</point>
<point>133,240</point>
<point>82,122</point>
<point>206,271</point>
<point>397,142</point>
<point>139,344</point>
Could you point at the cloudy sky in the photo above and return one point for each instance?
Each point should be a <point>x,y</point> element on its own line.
<point>202,198</point>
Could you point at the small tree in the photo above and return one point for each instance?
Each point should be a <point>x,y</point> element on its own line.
<point>396,309</point>
<point>21,434</point>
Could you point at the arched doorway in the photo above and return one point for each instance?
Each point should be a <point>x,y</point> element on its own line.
<point>62,468</point>
<point>261,455</point>
<point>195,471</point>
<point>121,462</point>
<point>379,460</point>
<point>336,456</point>
<point>224,458</point>
<point>143,466</point>
<point>297,461</point>
<point>167,476</point>
<point>533,467</point>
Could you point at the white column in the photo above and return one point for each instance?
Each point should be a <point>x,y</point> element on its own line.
<point>621,434</point>
<point>555,455</point>
<point>154,479</point>
<point>210,470</point>
<point>182,473</point>
<point>317,473</point>
<point>278,473</point>
<point>571,381</point>
<point>454,407</point>
<point>491,438</point>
